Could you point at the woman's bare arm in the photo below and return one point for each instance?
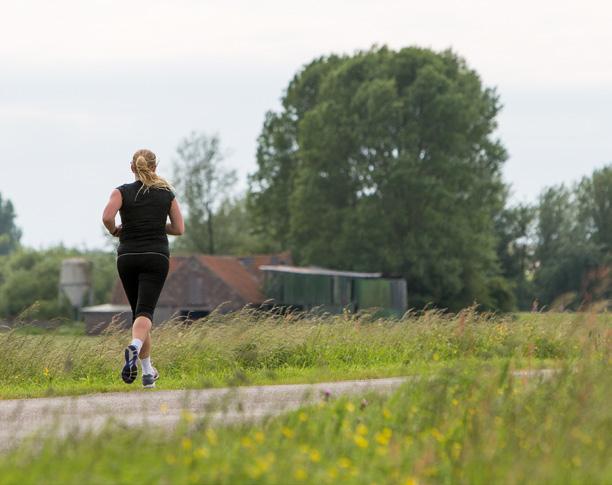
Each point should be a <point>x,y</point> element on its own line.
<point>110,211</point>
<point>176,227</point>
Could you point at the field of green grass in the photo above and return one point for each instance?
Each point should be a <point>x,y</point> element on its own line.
<point>471,421</point>
<point>250,348</point>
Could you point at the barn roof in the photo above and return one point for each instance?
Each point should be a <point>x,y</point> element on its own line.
<point>312,270</point>
<point>235,275</point>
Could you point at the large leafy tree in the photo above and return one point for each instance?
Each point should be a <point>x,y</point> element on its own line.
<point>386,160</point>
<point>203,183</point>
<point>567,251</point>
<point>10,234</point>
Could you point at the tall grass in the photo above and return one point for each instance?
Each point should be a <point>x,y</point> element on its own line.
<point>255,347</point>
<point>465,426</point>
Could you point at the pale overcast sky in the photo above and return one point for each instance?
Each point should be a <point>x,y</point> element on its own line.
<point>85,84</point>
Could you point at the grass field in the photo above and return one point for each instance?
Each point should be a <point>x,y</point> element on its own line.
<point>470,422</point>
<point>255,348</point>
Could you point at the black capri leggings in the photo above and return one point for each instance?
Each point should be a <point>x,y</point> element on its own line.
<point>143,276</point>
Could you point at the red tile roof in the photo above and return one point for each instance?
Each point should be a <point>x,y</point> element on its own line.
<point>235,275</point>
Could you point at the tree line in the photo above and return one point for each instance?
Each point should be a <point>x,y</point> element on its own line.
<point>388,161</point>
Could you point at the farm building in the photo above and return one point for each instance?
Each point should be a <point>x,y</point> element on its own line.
<point>333,291</point>
<point>195,286</point>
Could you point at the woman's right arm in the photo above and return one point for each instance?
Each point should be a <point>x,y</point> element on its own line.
<point>176,227</point>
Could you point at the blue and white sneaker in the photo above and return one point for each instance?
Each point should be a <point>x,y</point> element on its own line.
<point>130,369</point>
<point>148,380</point>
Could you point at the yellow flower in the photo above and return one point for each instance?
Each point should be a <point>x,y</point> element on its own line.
<point>303,417</point>
<point>246,442</point>
<point>350,407</point>
<point>287,432</point>
<point>437,435</point>
<point>300,474</point>
<point>455,402</point>
<point>332,472</point>
<point>436,357</point>
<point>201,452</point>
<point>46,371</point>
<point>186,443</point>
<point>386,413</point>
<point>259,437</point>
<point>411,481</point>
<point>384,437</point>
<point>361,429</point>
<point>188,416</point>
<point>211,435</point>
<point>315,456</point>
<point>456,450</point>
<point>344,462</point>
<point>360,441</point>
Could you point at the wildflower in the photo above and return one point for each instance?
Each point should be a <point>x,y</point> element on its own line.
<point>332,472</point>
<point>287,432</point>
<point>170,459</point>
<point>350,407</point>
<point>344,462</point>
<point>201,452</point>
<point>186,443</point>
<point>383,437</point>
<point>361,429</point>
<point>315,456</point>
<point>455,402</point>
<point>411,481</point>
<point>211,435</point>
<point>326,394</point>
<point>300,474</point>
<point>188,416</point>
<point>246,442</point>
<point>436,357</point>
<point>259,437</point>
<point>456,450</point>
<point>360,441</point>
<point>46,371</point>
<point>437,435</point>
<point>386,413</point>
<point>303,417</point>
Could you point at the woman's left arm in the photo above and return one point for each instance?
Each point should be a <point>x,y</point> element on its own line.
<point>110,211</point>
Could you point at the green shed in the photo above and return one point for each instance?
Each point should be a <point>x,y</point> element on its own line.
<point>333,291</point>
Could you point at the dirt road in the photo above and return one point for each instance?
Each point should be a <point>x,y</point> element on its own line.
<point>22,417</point>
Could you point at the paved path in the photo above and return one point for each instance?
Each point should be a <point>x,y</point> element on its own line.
<point>22,417</point>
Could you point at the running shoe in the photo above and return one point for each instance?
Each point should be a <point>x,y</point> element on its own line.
<point>130,369</point>
<point>148,380</point>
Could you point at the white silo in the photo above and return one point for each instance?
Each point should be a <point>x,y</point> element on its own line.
<point>76,282</point>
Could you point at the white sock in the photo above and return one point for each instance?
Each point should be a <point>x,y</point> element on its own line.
<point>147,368</point>
<point>136,342</point>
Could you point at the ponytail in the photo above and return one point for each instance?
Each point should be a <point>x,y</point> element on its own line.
<point>144,165</point>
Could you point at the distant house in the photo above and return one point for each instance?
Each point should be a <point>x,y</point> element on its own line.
<point>195,286</point>
<point>333,291</point>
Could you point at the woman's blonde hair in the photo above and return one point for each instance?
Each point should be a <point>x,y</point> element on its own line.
<point>145,162</point>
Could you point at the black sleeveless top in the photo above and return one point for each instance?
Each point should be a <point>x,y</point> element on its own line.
<point>143,219</point>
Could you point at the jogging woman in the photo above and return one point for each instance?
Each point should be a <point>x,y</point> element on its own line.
<point>143,254</point>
